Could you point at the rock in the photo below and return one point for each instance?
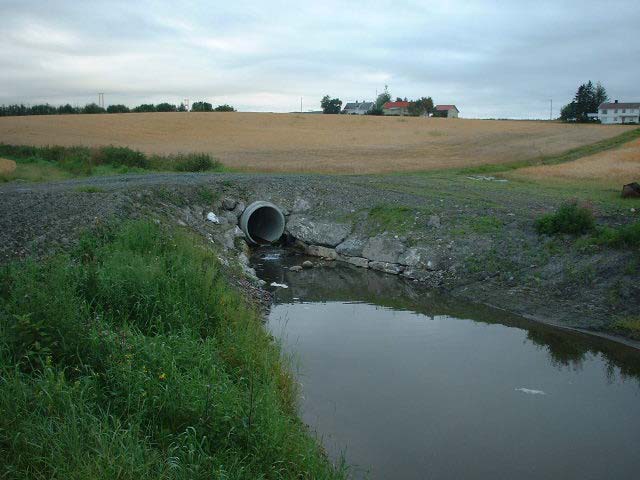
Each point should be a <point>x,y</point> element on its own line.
<point>357,261</point>
<point>231,218</point>
<point>237,232</point>
<point>434,221</point>
<point>383,248</point>
<point>239,208</point>
<point>212,217</point>
<point>386,267</point>
<point>295,268</point>
<point>300,206</point>
<point>631,190</point>
<point>320,251</point>
<point>317,232</point>
<point>411,257</point>
<point>229,203</point>
<point>352,247</point>
<point>307,264</point>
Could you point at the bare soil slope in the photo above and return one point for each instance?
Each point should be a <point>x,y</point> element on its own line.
<point>312,143</point>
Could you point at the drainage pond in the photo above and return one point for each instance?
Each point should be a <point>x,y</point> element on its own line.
<point>405,383</point>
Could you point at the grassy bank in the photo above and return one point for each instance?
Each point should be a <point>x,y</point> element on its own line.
<point>131,357</point>
<point>59,163</point>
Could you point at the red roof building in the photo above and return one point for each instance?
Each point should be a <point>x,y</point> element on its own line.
<point>396,108</point>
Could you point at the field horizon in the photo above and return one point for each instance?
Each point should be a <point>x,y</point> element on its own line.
<point>290,142</point>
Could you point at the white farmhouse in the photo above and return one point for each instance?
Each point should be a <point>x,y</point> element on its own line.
<point>355,108</point>
<point>615,112</point>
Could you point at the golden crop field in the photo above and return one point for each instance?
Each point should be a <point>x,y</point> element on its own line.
<point>271,142</point>
<point>612,167</point>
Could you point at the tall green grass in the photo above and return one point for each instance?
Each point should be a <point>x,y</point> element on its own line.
<point>85,161</point>
<point>131,357</point>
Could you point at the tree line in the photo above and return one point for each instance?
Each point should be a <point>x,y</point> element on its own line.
<point>419,107</point>
<point>94,108</point>
<point>587,99</point>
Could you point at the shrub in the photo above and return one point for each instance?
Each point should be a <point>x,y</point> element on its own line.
<point>194,162</point>
<point>119,156</point>
<point>570,218</point>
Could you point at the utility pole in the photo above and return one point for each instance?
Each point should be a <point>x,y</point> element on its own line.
<point>551,109</point>
<point>101,99</point>
<point>301,104</point>
<point>186,103</point>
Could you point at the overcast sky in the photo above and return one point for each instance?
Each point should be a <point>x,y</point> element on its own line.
<point>491,59</point>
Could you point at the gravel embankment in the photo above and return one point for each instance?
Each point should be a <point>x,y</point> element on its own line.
<point>483,244</point>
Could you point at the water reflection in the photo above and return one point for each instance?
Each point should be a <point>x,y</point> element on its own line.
<point>335,282</point>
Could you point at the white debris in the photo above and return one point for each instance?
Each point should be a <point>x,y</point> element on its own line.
<point>281,285</point>
<point>212,217</point>
<point>529,391</point>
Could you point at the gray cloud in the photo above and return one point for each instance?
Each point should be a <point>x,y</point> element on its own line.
<point>492,59</point>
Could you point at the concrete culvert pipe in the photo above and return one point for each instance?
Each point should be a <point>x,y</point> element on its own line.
<point>262,223</point>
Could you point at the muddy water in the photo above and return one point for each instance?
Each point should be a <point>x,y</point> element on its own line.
<point>408,384</point>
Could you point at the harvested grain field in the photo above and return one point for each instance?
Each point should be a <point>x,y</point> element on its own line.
<point>610,168</point>
<point>312,143</point>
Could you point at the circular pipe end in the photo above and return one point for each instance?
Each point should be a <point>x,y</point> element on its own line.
<point>262,223</point>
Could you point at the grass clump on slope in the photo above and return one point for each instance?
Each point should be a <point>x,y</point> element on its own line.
<point>43,163</point>
<point>131,357</point>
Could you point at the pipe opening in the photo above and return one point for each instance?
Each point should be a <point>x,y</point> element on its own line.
<point>262,223</point>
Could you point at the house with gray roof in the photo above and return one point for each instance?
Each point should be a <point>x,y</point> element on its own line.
<point>357,108</point>
<point>619,112</point>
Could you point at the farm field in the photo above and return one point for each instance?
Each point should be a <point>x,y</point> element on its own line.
<point>268,142</point>
<point>609,168</point>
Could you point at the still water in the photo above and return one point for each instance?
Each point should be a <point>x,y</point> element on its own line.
<point>409,384</point>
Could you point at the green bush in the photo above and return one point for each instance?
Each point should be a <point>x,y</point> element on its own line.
<point>119,156</point>
<point>131,357</point>
<point>194,162</point>
<point>570,218</point>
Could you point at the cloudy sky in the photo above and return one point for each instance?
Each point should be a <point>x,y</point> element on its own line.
<point>490,58</point>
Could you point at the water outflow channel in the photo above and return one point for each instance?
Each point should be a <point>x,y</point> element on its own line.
<point>407,384</point>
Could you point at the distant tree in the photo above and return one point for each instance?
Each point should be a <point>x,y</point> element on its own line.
<point>399,99</point>
<point>44,109</point>
<point>93,108</point>
<point>383,98</point>
<point>377,111</point>
<point>201,107</point>
<point>119,108</point>
<point>166,107</point>
<point>145,107</point>
<point>224,108</point>
<point>330,105</point>
<point>67,109</point>
<point>182,107</point>
<point>586,100</point>
<point>422,106</point>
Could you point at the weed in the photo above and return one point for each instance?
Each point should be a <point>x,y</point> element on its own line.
<point>132,357</point>
<point>570,218</point>
<point>629,327</point>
